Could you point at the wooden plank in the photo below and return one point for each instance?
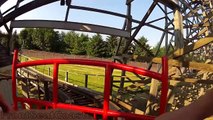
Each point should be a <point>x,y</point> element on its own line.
<point>204,24</point>
<point>192,80</point>
<point>192,65</point>
<point>69,26</point>
<point>172,4</point>
<point>187,49</point>
<point>2,2</point>
<point>191,13</point>
<point>127,106</point>
<point>152,92</point>
<point>202,31</point>
<point>178,24</point>
<point>143,47</point>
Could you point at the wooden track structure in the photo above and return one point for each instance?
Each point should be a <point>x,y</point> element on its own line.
<point>36,85</point>
<point>186,30</point>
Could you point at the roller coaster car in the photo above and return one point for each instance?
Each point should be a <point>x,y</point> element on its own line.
<point>105,112</point>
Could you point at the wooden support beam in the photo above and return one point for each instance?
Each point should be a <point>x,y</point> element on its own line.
<point>143,47</point>
<point>178,25</point>
<point>69,26</point>
<point>191,13</point>
<point>2,2</point>
<point>127,106</point>
<point>202,31</point>
<point>172,4</point>
<point>187,49</point>
<point>141,24</point>
<point>192,80</point>
<point>192,65</point>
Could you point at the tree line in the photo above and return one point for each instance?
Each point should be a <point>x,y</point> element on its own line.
<point>75,43</point>
<point>71,42</point>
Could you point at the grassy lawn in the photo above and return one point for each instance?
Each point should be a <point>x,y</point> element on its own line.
<point>77,73</point>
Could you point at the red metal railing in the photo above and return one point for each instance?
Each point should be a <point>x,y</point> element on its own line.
<point>109,66</point>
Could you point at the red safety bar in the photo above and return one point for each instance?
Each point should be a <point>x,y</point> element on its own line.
<point>109,66</point>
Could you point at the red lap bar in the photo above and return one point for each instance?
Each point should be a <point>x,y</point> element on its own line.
<point>55,85</point>
<point>14,90</point>
<point>108,73</point>
<point>165,85</point>
<point>109,66</point>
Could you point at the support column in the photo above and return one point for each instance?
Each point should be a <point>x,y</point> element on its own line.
<point>128,28</point>
<point>12,39</point>
<point>152,94</point>
<point>178,23</point>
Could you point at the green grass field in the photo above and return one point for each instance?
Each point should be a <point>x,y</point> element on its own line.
<point>77,73</point>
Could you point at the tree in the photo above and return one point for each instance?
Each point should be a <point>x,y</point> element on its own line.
<point>69,40</point>
<point>80,45</point>
<point>25,38</point>
<point>61,45</point>
<point>41,39</point>
<point>45,39</point>
<point>159,51</point>
<point>3,39</point>
<point>112,44</point>
<point>97,47</point>
<point>56,44</point>
<point>15,41</point>
<point>139,47</point>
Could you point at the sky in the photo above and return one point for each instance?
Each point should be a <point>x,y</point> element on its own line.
<point>54,11</point>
